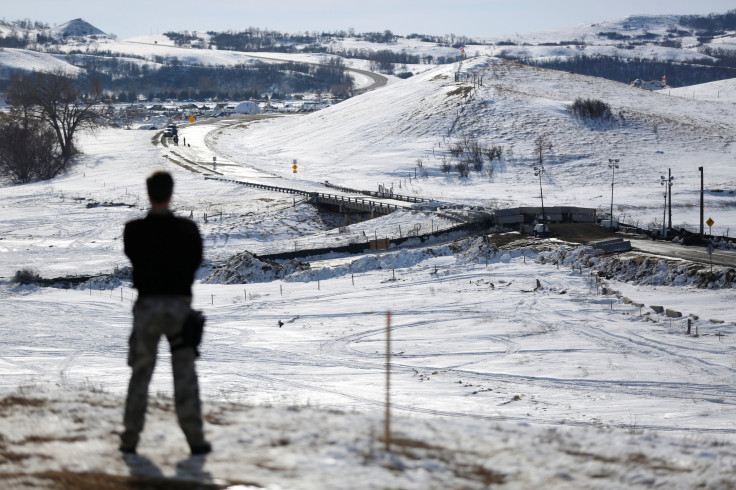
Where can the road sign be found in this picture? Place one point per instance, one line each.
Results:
(710, 222)
(294, 166)
(191, 118)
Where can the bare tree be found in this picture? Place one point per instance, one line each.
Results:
(542, 145)
(60, 101)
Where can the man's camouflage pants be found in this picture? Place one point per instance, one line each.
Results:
(153, 317)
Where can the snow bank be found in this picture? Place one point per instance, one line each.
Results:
(641, 270)
(244, 267)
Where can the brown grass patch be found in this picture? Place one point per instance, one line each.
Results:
(463, 91)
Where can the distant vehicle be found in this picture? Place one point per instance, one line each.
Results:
(168, 133)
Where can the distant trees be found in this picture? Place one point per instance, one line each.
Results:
(713, 23)
(626, 70)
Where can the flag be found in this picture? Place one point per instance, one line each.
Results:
(462, 49)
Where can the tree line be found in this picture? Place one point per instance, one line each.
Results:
(712, 24)
(626, 70)
(239, 81)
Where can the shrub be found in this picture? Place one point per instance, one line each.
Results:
(26, 276)
(463, 169)
(457, 149)
(445, 166)
(591, 109)
(493, 152)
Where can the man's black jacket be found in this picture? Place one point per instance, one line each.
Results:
(165, 251)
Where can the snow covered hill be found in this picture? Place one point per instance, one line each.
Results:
(380, 138)
(24, 59)
(76, 27)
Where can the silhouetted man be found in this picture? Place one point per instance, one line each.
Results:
(165, 251)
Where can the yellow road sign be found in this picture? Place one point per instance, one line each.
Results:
(710, 222)
(191, 118)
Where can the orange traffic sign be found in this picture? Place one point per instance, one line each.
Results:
(710, 222)
(191, 118)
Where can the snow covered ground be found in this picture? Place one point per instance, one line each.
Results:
(506, 368)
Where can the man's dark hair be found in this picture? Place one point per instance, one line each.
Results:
(160, 186)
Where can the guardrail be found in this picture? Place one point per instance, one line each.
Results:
(273, 188)
(382, 195)
(352, 203)
(356, 203)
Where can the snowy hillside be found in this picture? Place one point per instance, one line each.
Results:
(378, 138)
(720, 91)
(23, 59)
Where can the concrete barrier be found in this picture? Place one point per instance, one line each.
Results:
(657, 308)
(672, 313)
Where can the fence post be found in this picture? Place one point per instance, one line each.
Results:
(387, 427)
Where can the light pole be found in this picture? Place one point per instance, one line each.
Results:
(613, 165)
(538, 172)
(667, 182)
(701, 201)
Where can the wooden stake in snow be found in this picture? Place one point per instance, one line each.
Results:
(387, 431)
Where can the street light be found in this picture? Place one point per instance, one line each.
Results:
(538, 172)
(665, 181)
(700, 169)
(613, 165)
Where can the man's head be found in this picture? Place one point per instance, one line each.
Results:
(160, 186)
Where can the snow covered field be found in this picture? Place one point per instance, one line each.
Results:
(507, 368)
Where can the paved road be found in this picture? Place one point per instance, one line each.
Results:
(693, 254)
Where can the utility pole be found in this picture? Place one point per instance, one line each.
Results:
(613, 165)
(667, 183)
(669, 175)
(664, 215)
(539, 171)
(701, 201)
